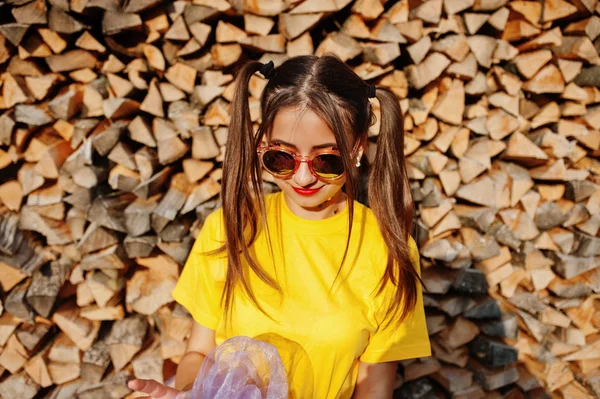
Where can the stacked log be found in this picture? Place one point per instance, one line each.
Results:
(113, 121)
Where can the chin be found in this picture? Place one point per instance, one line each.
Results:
(311, 201)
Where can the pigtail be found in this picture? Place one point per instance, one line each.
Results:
(240, 190)
(390, 199)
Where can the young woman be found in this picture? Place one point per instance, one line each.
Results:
(332, 284)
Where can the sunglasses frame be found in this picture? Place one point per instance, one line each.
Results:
(298, 159)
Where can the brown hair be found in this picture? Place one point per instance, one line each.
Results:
(328, 87)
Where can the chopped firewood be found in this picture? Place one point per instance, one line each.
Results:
(153, 102)
(483, 48)
(33, 46)
(270, 43)
(368, 9)
(10, 277)
(475, 21)
(342, 45)
(291, 26)
(552, 37)
(140, 132)
(257, 24)
(419, 50)
(116, 108)
(531, 11)
(227, 33)
(11, 195)
(125, 339)
(557, 9)
(37, 370)
(170, 93)
(140, 246)
(111, 258)
(568, 266)
(303, 45)
(385, 31)
(82, 332)
(492, 353)
(178, 30)
(19, 385)
(95, 361)
(14, 32)
(44, 287)
(151, 185)
(458, 333)
(88, 42)
(171, 203)
(450, 105)
(182, 76)
(137, 216)
(148, 290)
(14, 355)
(61, 22)
(30, 14)
(530, 63)
(421, 368)
(499, 19)
(195, 169)
(578, 48)
(523, 150)
(353, 26)
(547, 80)
(493, 378)
(200, 194)
(430, 69)
(64, 350)
(72, 60)
(115, 22)
(519, 29)
(381, 54)
(103, 288)
(589, 27)
(554, 171)
(96, 238)
(226, 54)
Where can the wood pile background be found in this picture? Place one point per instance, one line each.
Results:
(113, 118)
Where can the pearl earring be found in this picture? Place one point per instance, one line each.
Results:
(357, 164)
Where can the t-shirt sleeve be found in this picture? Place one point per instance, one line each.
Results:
(201, 283)
(392, 342)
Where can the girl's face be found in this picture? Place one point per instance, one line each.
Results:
(303, 132)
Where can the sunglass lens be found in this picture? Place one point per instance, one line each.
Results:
(278, 162)
(328, 166)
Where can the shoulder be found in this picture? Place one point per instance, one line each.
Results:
(377, 244)
(212, 232)
(213, 228)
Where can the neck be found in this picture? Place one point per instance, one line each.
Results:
(327, 209)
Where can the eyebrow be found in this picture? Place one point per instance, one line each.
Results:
(316, 147)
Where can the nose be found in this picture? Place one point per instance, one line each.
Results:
(303, 177)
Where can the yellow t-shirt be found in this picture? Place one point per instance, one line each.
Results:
(321, 329)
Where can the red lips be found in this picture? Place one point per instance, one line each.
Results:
(306, 191)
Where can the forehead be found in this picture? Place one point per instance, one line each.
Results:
(301, 127)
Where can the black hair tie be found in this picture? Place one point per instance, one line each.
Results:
(268, 70)
(371, 91)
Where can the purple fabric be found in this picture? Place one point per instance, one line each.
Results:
(240, 368)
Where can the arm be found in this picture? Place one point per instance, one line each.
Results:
(201, 342)
(375, 380)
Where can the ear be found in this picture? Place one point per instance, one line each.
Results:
(359, 156)
(360, 153)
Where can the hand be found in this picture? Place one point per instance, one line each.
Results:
(153, 388)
